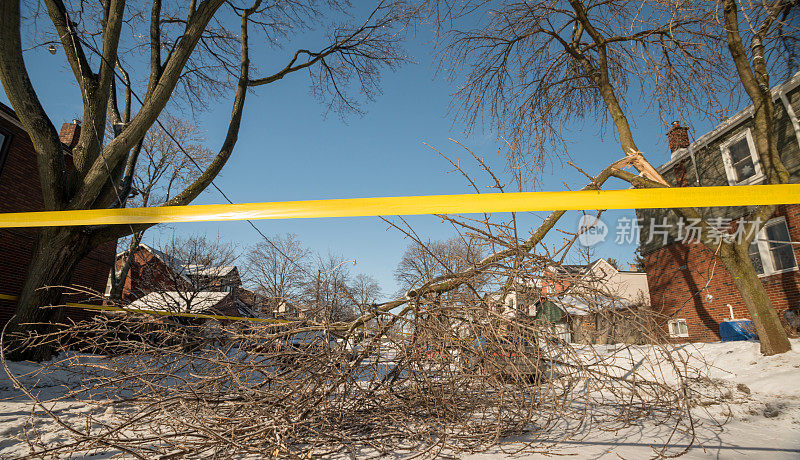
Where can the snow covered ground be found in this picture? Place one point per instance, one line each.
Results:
(763, 424)
(762, 412)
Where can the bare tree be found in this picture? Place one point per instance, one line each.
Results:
(539, 66)
(423, 262)
(170, 159)
(365, 290)
(194, 51)
(327, 292)
(279, 268)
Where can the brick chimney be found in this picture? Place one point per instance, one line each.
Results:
(70, 132)
(678, 137)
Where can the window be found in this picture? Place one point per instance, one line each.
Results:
(772, 250)
(741, 160)
(677, 328)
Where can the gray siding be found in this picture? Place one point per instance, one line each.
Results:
(711, 172)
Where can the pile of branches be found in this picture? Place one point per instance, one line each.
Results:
(455, 378)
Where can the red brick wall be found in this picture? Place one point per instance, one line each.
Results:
(676, 273)
(678, 137)
(20, 191)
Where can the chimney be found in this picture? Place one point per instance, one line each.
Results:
(70, 132)
(678, 137)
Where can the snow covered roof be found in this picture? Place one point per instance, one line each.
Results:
(579, 270)
(180, 302)
(184, 269)
(208, 270)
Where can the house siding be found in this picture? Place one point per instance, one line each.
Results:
(148, 273)
(711, 171)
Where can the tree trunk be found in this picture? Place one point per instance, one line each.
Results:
(118, 281)
(56, 253)
(768, 326)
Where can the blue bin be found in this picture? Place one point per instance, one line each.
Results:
(740, 329)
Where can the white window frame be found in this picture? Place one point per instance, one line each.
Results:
(678, 322)
(726, 159)
(763, 249)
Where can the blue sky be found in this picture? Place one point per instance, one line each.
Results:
(289, 150)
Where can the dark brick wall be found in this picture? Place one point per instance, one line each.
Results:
(678, 272)
(19, 192)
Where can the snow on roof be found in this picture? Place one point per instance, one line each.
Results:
(577, 269)
(180, 302)
(208, 270)
(183, 269)
(572, 305)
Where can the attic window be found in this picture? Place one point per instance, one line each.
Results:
(741, 160)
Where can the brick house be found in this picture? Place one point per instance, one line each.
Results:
(686, 281)
(158, 281)
(20, 191)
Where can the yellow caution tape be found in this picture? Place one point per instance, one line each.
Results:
(678, 197)
(167, 313)
(158, 312)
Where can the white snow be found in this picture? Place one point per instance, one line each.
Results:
(762, 424)
(175, 301)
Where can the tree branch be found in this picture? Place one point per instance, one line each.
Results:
(26, 104)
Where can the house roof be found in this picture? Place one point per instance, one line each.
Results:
(9, 114)
(576, 270)
(180, 302)
(183, 269)
(726, 125)
(208, 270)
(173, 262)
